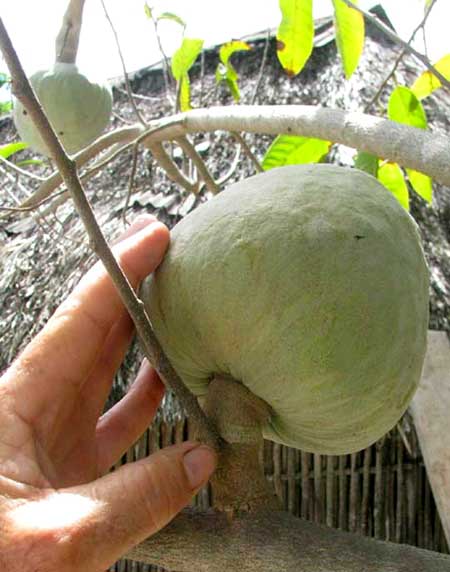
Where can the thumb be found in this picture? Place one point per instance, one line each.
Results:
(140, 498)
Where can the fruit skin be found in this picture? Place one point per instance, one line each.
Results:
(78, 109)
(308, 284)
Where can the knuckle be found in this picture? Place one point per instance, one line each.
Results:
(164, 492)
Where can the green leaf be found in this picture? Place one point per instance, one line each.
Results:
(295, 35)
(185, 56)
(391, 176)
(5, 107)
(185, 93)
(367, 162)
(173, 18)
(182, 61)
(421, 184)
(228, 49)
(7, 150)
(225, 70)
(350, 32)
(404, 107)
(148, 11)
(428, 82)
(293, 150)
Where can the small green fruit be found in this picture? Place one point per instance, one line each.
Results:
(308, 284)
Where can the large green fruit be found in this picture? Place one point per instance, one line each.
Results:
(308, 284)
(78, 109)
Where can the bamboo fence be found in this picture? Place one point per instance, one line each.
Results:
(382, 491)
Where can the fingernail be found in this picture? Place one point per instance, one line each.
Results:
(144, 366)
(143, 220)
(199, 464)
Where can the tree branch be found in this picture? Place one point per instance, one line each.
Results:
(165, 161)
(124, 68)
(417, 149)
(243, 143)
(19, 171)
(107, 140)
(66, 45)
(272, 540)
(67, 167)
(191, 152)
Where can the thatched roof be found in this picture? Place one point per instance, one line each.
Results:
(43, 256)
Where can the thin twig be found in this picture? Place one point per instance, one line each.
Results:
(20, 209)
(39, 218)
(124, 68)
(67, 167)
(122, 119)
(232, 169)
(173, 172)
(400, 57)
(393, 36)
(202, 169)
(261, 68)
(152, 99)
(101, 144)
(130, 183)
(165, 61)
(135, 133)
(202, 78)
(20, 171)
(247, 151)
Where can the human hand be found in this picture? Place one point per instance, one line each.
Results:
(60, 509)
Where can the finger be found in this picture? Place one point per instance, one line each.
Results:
(138, 224)
(97, 387)
(125, 422)
(57, 362)
(139, 499)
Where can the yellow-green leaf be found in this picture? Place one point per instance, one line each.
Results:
(225, 70)
(185, 56)
(404, 107)
(228, 49)
(148, 11)
(293, 150)
(295, 34)
(350, 32)
(5, 107)
(421, 184)
(10, 148)
(391, 176)
(367, 162)
(428, 82)
(172, 17)
(185, 93)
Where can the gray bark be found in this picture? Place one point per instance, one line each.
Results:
(275, 541)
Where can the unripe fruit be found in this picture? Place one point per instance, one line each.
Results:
(307, 284)
(78, 109)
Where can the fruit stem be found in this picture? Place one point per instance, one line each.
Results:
(66, 45)
(239, 483)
